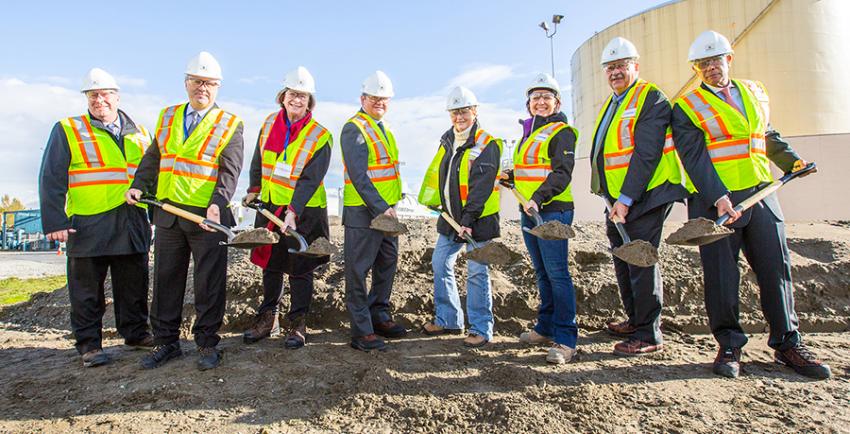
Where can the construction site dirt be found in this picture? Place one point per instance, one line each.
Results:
(434, 384)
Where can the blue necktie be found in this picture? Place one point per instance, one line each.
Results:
(193, 122)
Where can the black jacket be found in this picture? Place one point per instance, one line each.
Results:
(120, 231)
(650, 132)
(690, 143)
(229, 166)
(482, 177)
(562, 149)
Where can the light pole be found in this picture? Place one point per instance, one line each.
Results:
(556, 19)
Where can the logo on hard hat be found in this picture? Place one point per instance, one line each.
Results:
(709, 47)
(457, 100)
(613, 51)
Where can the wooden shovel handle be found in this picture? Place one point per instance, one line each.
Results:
(522, 201)
(171, 209)
(456, 227)
(765, 192)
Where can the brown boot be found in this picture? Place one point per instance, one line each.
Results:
(265, 324)
(622, 328)
(296, 336)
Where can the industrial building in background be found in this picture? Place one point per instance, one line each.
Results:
(797, 48)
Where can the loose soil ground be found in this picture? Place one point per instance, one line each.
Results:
(425, 384)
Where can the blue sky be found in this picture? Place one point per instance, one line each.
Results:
(493, 47)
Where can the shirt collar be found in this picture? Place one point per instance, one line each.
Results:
(201, 113)
(620, 97)
(730, 86)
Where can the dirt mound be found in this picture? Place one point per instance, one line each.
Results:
(821, 271)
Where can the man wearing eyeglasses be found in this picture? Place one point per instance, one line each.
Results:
(372, 187)
(88, 164)
(723, 133)
(634, 164)
(194, 165)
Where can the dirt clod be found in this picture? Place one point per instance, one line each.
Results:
(553, 230)
(255, 237)
(321, 247)
(390, 226)
(495, 253)
(697, 232)
(638, 252)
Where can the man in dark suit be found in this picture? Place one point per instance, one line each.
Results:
(723, 134)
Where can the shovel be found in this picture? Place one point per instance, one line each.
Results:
(243, 240)
(318, 248)
(639, 253)
(493, 252)
(702, 231)
(551, 230)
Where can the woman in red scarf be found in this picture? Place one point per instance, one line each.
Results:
(290, 161)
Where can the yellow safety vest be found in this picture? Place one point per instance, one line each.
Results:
(99, 174)
(382, 167)
(619, 144)
(735, 143)
(188, 167)
(532, 164)
(282, 170)
(429, 193)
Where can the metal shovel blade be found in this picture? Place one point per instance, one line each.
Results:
(494, 253)
(639, 253)
(698, 232)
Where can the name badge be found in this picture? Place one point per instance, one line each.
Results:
(630, 113)
(282, 170)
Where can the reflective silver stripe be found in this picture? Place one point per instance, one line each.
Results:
(304, 154)
(382, 173)
(284, 180)
(267, 171)
(166, 163)
(668, 144)
(195, 169)
(709, 120)
(383, 156)
(87, 140)
(267, 129)
(77, 178)
(758, 144)
(741, 150)
(618, 160)
(538, 142)
(217, 134)
(531, 173)
(131, 171)
(165, 127)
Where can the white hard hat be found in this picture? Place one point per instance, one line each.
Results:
(204, 65)
(544, 81)
(378, 84)
(709, 44)
(300, 80)
(98, 79)
(461, 97)
(619, 49)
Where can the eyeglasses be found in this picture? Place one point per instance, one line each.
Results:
(546, 96)
(704, 64)
(292, 95)
(197, 82)
(95, 94)
(611, 67)
(466, 111)
(376, 99)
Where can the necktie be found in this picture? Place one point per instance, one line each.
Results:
(113, 129)
(193, 122)
(729, 100)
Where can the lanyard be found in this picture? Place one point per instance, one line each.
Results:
(286, 137)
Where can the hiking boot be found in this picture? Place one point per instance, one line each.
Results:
(622, 328)
(432, 329)
(534, 338)
(297, 334)
(635, 347)
(161, 354)
(208, 358)
(475, 341)
(368, 343)
(96, 358)
(143, 343)
(803, 361)
(728, 362)
(389, 329)
(560, 354)
(266, 324)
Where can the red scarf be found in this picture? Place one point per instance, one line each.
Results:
(276, 141)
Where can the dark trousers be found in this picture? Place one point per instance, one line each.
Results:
(367, 249)
(300, 293)
(641, 288)
(86, 277)
(172, 249)
(762, 239)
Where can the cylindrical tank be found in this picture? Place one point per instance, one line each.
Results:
(797, 48)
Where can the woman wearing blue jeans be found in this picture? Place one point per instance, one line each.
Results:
(543, 166)
(461, 181)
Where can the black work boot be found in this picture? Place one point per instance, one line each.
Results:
(803, 362)
(161, 354)
(208, 358)
(728, 362)
(96, 358)
(368, 343)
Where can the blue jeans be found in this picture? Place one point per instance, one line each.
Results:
(556, 316)
(479, 299)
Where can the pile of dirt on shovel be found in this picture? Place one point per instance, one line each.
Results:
(820, 258)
